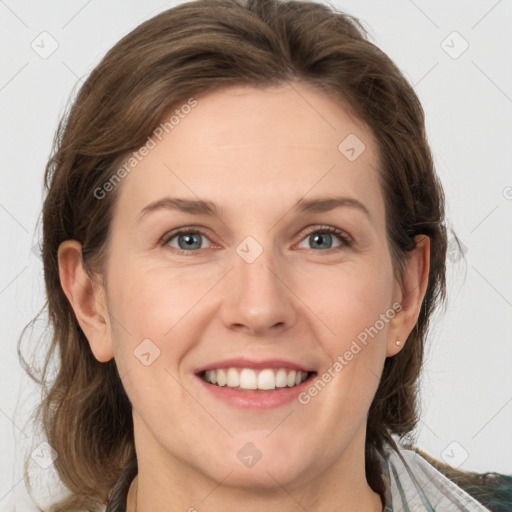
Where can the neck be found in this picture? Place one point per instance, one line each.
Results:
(148, 491)
(327, 483)
(371, 502)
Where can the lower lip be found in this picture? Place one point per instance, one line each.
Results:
(256, 399)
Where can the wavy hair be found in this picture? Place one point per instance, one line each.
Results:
(191, 49)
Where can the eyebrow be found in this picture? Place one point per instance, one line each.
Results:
(192, 206)
(326, 204)
(202, 207)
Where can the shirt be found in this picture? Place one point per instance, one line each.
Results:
(415, 485)
(412, 484)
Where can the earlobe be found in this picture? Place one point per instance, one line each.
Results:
(412, 292)
(87, 298)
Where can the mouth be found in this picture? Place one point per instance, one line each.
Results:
(249, 384)
(251, 379)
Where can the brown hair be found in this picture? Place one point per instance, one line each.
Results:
(189, 50)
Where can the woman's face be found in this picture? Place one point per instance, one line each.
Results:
(282, 272)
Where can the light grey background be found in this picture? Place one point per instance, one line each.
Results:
(467, 381)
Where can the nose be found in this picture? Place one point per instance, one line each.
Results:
(257, 298)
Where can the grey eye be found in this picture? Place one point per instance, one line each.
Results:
(320, 239)
(187, 240)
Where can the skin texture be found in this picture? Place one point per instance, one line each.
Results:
(254, 153)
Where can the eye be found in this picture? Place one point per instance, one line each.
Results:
(323, 238)
(189, 241)
(184, 241)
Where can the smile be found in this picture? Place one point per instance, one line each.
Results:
(265, 379)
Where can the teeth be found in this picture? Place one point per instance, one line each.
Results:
(232, 381)
(221, 377)
(281, 379)
(247, 378)
(266, 380)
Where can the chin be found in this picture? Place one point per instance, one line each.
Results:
(263, 477)
(260, 465)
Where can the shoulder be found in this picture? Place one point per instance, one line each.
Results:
(416, 481)
(493, 490)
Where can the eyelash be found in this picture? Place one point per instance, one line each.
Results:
(342, 235)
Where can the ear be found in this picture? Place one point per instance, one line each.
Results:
(410, 295)
(87, 297)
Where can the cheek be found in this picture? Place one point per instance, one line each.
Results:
(348, 301)
(340, 303)
(150, 319)
(353, 341)
(352, 302)
(159, 303)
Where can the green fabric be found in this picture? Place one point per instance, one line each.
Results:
(496, 494)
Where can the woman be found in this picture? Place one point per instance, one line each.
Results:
(244, 243)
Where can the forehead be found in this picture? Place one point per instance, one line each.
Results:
(260, 147)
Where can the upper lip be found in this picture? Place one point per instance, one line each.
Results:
(241, 362)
